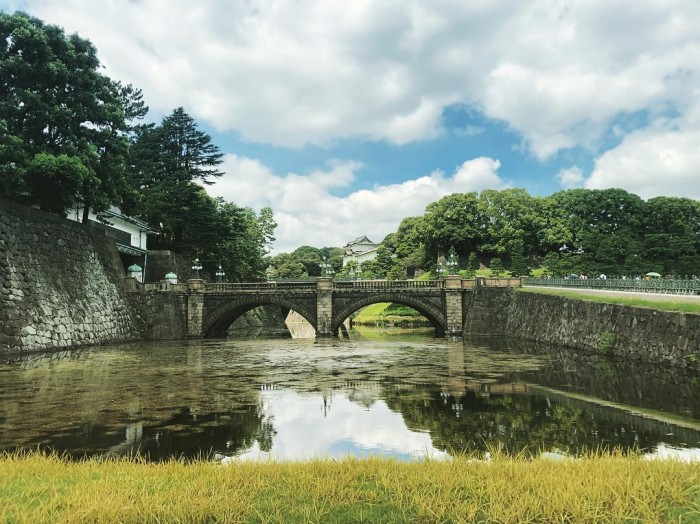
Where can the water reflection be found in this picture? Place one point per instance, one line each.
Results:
(406, 396)
(348, 422)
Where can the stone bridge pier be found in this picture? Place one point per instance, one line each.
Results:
(326, 303)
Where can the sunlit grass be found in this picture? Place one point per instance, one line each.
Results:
(597, 488)
(666, 303)
(381, 313)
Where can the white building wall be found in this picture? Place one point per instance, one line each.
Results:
(138, 237)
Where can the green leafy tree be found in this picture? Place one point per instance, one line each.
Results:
(671, 237)
(510, 216)
(396, 273)
(454, 220)
(600, 230)
(241, 243)
(383, 262)
(55, 180)
(54, 101)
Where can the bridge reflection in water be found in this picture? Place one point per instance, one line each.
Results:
(326, 303)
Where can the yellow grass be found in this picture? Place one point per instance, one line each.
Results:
(599, 488)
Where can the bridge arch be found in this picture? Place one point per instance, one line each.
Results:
(217, 321)
(429, 310)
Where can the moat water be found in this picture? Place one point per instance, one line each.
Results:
(387, 392)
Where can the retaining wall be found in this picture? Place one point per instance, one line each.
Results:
(60, 284)
(626, 332)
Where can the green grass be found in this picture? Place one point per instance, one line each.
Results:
(597, 488)
(384, 313)
(669, 303)
(372, 311)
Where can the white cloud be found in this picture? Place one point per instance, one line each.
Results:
(307, 213)
(557, 71)
(571, 177)
(346, 428)
(652, 162)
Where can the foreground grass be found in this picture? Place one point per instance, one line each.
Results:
(669, 302)
(36, 488)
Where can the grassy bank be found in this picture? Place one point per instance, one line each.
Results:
(667, 302)
(594, 489)
(387, 314)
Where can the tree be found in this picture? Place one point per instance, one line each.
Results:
(510, 216)
(496, 267)
(600, 231)
(408, 244)
(167, 161)
(454, 220)
(55, 102)
(175, 152)
(472, 265)
(242, 241)
(518, 264)
(383, 262)
(671, 236)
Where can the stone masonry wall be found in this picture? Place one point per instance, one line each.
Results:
(160, 263)
(160, 315)
(485, 311)
(621, 331)
(59, 284)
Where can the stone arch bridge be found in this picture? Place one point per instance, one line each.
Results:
(326, 304)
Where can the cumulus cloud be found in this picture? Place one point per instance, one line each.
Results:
(559, 72)
(571, 177)
(346, 428)
(308, 213)
(652, 162)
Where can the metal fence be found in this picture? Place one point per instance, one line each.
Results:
(672, 286)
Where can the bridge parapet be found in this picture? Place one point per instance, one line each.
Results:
(260, 286)
(388, 284)
(344, 285)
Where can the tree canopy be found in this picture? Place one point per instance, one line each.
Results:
(71, 136)
(63, 124)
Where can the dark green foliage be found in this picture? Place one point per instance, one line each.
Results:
(67, 136)
(581, 231)
(518, 264)
(55, 103)
(174, 152)
(496, 267)
(401, 310)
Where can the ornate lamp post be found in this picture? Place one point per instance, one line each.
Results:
(269, 273)
(220, 274)
(326, 268)
(452, 262)
(196, 267)
(440, 270)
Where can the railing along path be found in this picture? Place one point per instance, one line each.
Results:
(670, 286)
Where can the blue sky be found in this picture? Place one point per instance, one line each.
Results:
(345, 117)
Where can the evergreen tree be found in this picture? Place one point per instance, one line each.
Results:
(472, 265)
(496, 267)
(518, 264)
